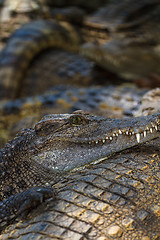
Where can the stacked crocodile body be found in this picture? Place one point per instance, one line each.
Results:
(98, 196)
(129, 36)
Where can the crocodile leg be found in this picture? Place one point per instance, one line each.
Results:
(22, 203)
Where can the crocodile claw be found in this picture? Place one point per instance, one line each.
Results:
(22, 203)
(33, 197)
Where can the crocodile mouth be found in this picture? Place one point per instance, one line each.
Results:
(71, 141)
(69, 155)
(148, 132)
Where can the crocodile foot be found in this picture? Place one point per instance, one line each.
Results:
(22, 203)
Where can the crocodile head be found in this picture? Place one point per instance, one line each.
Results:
(64, 142)
(132, 49)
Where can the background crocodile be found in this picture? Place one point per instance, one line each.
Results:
(129, 194)
(131, 27)
(14, 14)
(125, 38)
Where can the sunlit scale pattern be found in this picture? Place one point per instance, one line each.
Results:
(118, 199)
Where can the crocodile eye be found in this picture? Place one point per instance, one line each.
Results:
(78, 120)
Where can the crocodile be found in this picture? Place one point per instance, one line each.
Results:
(14, 14)
(132, 49)
(57, 152)
(108, 101)
(114, 44)
(22, 47)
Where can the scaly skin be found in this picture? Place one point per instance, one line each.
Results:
(56, 147)
(116, 199)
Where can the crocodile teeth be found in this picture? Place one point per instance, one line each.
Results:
(138, 137)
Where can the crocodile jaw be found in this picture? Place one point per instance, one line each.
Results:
(124, 60)
(79, 157)
(110, 136)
